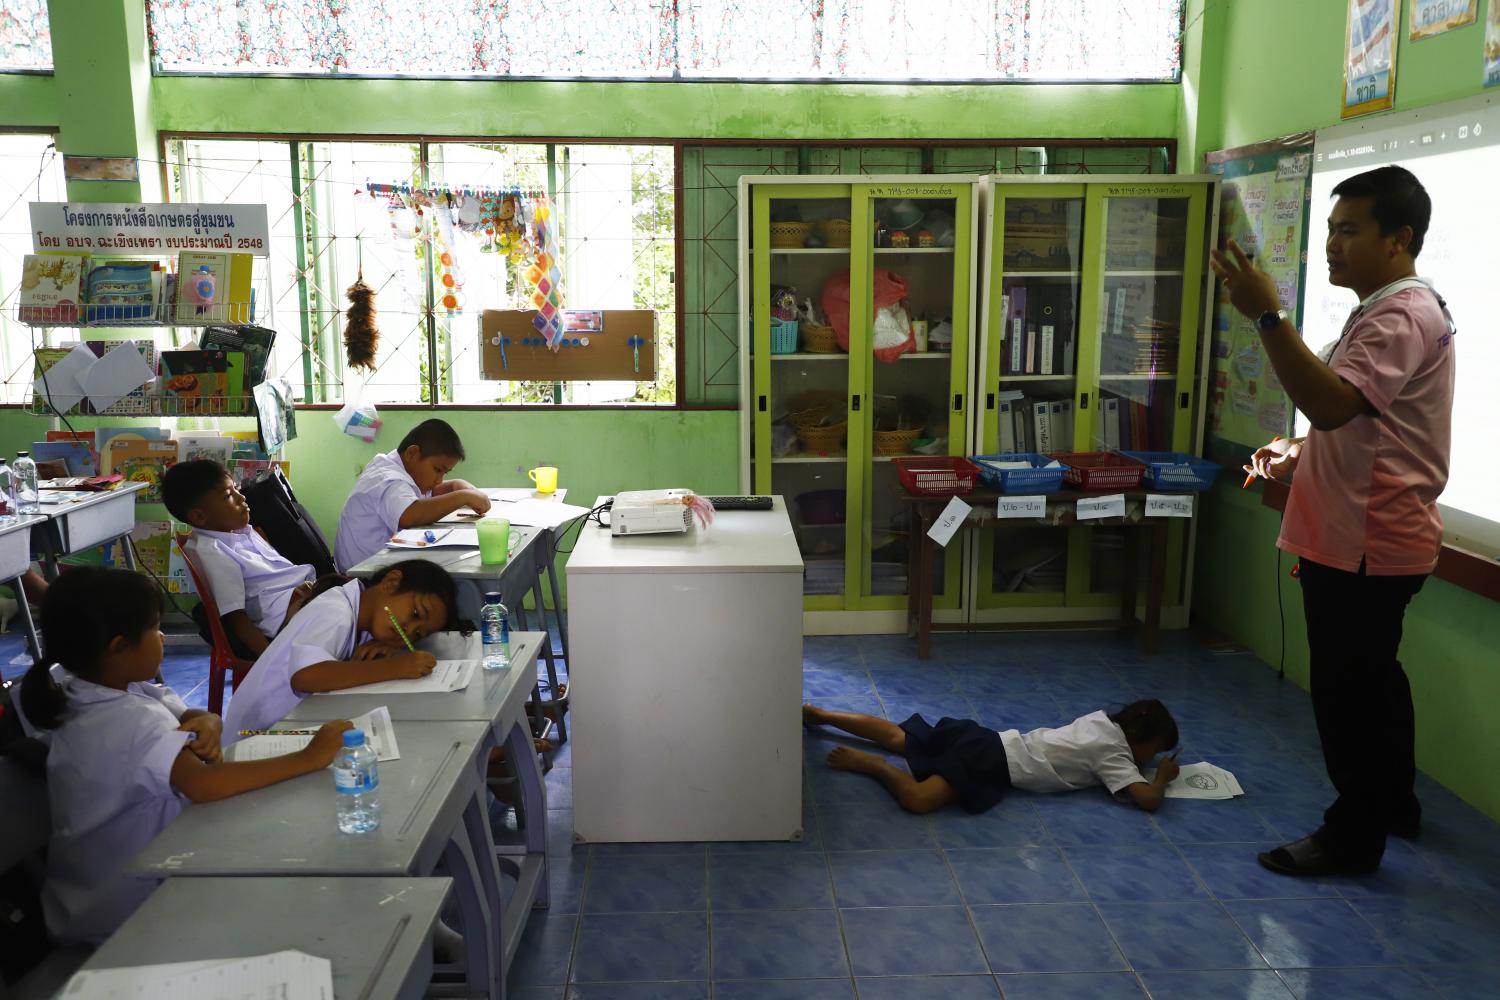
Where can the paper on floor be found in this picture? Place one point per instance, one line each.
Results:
(1200, 781)
(375, 724)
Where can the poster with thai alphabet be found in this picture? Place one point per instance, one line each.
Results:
(1263, 206)
(1369, 57)
(1426, 18)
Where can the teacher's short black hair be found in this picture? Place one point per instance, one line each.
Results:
(1399, 200)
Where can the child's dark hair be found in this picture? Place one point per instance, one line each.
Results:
(185, 483)
(1399, 199)
(84, 611)
(1147, 722)
(423, 577)
(433, 437)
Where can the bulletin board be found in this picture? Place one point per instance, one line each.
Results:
(1264, 202)
(596, 345)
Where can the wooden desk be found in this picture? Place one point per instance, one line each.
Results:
(376, 932)
(1061, 508)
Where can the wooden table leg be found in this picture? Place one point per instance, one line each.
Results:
(923, 584)
(1158, 575)
(1127, 582)
(913, 557)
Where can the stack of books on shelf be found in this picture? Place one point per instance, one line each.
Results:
(1033, 424)
(78, 290)
(1140, 238)
(1149, 348)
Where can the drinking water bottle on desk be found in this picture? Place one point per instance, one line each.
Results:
(27, 501)
(7, 493)
(494, 626)
(357, 779)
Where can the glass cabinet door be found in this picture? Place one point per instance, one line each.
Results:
(800, 253)
(917, 300)
(1031, 373)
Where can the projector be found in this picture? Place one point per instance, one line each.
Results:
(650, 512)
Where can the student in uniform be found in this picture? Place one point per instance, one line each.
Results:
(127, 754)
(1362, 516)
(959, 760)
(402, 489)
(255, 587)
(347, 635)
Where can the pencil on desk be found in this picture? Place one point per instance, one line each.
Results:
(278, 732)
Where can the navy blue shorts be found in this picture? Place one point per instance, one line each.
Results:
(963, 753)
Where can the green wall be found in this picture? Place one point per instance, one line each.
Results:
(1281, 72)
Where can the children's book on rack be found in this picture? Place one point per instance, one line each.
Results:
(158, 556)
(254, 342)
(52, 287)
(195, 381)
(214, 288)
(143, 461)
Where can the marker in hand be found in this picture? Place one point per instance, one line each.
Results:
(1250, 478)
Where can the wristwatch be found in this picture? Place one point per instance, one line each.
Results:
(1270, 319)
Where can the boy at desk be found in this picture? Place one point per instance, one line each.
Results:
(255, 587)
(402, 489)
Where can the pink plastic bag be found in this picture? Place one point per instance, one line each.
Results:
(889, 290)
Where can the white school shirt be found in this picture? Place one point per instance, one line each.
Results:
(372, 514)
(325, 629)
(109, 783)
(1087, 751)
(245, 573)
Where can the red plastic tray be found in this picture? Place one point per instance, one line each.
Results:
(1100, 470)
(938, 476)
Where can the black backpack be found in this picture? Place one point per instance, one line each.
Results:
(285, 523)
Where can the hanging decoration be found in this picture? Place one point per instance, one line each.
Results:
(361, 336)
(544, 275)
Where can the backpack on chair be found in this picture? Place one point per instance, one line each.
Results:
(285, 523)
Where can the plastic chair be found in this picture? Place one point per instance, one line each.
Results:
(221, 658)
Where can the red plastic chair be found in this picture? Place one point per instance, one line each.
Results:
(221, 658)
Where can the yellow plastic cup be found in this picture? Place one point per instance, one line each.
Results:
(545, 477)
(494, 541)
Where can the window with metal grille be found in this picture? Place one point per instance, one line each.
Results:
(30, 170)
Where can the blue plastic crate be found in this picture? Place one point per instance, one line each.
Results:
(1033, 480)
(1176, 470)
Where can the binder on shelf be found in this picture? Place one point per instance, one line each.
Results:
(1030, 350)
(1043, 421)
(1111, 423)
(1046, 357)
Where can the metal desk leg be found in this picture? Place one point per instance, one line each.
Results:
(127, 551)
(557, 704)
(23, 608)
(528, 861)
(481, 969)
(562, 622)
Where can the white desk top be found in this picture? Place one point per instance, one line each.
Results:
(738, 540)
(22, 522)
(462, 563)
(74, 506)
(372, 930)
(290, 828)
(485, 699)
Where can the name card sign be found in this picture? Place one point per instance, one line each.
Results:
(149, 228)
(1094, 507)
(1168, 505)
(948, 522)
(1027, 507)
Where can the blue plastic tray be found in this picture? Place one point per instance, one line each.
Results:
(1032, 480)
(1176, 470)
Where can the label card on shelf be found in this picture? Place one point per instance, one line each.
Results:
(1110, 506)
(1021, 507)
(948, 522)
(1169, 505)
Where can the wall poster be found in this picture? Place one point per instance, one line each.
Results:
(1369, 57)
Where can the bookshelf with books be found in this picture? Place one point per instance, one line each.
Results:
(1094, 327)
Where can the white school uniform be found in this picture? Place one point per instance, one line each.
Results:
(245, 573)
(109, 783)
(372, 514)
(326, 628)
(1087, 751)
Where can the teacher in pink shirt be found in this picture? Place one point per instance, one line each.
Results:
(1362, 516)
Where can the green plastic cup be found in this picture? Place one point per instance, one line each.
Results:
(494, 541)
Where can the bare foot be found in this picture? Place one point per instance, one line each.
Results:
(812, 715)
(849, 759)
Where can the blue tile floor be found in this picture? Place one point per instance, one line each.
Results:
(1064, 897)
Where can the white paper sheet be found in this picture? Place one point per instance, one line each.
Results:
(62, 383)
(50, 498)
(510, 494)
(448, 675)
(284, 975)
(115, 376)
(417, 538)
(949, 521)
(375, 724)
(463, 516)
(539, 513)
(1200, 781)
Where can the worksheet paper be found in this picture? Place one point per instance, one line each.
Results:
(416, 538)
(1200, 781)
(282, 975)
(538, 513)
(380, 734)
(448, 675)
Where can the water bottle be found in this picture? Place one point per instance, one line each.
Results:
(8, 498)
(26, 495)
(494, 626)
(358, 783)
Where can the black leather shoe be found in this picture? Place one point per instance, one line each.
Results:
(1306, 858)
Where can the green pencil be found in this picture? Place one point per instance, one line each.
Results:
(399, 630)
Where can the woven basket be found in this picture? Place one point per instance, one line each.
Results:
(895, 442)
(823, 439)
(816, 406)
(819, 338)
(836, 232)
(789, 235)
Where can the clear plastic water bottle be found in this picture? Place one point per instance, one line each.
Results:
(357, 779)
(494, 627)
(7, 493)
(26, 495)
